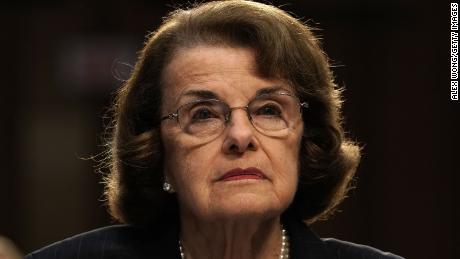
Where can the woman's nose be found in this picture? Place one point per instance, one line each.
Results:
(239, 133)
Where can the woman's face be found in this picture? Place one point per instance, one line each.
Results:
(198, 168)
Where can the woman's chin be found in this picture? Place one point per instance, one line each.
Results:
(245, 206)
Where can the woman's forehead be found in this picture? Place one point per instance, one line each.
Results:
(225, 71)
(204, 62)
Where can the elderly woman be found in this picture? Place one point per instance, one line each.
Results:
(227, 143)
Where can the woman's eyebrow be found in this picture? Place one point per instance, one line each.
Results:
(271, 89)
(207, 94)
(203, 94)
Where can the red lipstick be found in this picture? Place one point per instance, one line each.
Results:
(240, 174)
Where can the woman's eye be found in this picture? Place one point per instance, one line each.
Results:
(269, 110)
(202, 114)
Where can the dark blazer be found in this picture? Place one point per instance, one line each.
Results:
(129, 242)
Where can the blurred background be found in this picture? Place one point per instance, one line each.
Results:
(392, 56)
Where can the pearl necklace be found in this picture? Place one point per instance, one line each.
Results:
(284, 253)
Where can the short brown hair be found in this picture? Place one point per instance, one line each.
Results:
(284, 48)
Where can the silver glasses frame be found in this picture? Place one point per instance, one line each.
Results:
(175, 115)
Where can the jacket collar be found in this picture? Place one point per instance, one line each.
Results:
(304, 243)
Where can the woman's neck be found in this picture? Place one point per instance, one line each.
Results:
(230, 238)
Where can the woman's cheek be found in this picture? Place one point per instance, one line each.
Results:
(193, 170)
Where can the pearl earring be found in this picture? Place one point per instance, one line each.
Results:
(167, 187)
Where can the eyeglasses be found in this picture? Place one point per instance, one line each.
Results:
(272, 114)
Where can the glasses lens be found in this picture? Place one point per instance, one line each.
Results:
(274, 114)
(202, 118)
(271, 114)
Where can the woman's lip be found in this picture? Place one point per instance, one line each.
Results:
(240, 174)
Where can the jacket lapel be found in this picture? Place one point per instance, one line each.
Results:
(304, 243)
